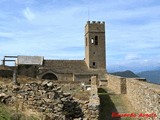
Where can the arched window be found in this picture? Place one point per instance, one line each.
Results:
(94, 64)
(92, 40)
(96, 40)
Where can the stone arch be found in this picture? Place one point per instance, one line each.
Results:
(49, 76)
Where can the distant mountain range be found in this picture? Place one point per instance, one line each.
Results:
(151, 76)
(127, 73)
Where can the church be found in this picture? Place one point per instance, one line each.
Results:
(94, 63)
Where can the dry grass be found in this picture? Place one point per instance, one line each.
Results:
(76, 90)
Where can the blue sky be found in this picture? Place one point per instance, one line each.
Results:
(55, 29)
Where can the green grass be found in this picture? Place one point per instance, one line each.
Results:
(6, 113)
(106, 105)
(109, 103)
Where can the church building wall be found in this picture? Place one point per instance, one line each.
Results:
(83, 78)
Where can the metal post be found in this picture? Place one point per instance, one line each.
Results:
(3, 62)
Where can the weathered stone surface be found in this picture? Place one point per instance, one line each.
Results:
(50, 84)
(143, 96)
(66, 94)
(15, 88)
(94, 101)
(2, 95)
(45, 97)
(116, 84)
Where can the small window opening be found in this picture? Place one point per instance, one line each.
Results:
(86, 41)
(92, 40)
(96, 40)
(94, 64)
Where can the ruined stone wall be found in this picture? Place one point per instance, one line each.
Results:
(116, 84)
(144, 97)
(94, 101)
(46, 98)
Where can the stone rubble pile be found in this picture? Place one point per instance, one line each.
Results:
(47, 98)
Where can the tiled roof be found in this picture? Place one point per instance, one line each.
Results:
(66, 66)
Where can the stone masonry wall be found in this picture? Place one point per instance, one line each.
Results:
(82, 77)
(27, 70)
(145, 97)
(116, 84)
(94, 100)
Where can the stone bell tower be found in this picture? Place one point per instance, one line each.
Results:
(95, 56)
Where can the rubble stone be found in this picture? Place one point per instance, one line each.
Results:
(46, 97)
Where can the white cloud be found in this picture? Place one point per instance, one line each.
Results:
(132, 29)
(28, 14)
(132, 56)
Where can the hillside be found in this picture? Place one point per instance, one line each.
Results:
(128, 74)
(151, 76)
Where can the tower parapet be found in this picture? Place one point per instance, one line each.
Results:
(95, 26)
(95, 22)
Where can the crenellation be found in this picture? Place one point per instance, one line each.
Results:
(95, 22)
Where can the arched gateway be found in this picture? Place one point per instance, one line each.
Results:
(49, 76)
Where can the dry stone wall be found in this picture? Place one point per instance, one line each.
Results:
(46, 98)
(94, 101)
(145, 97)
